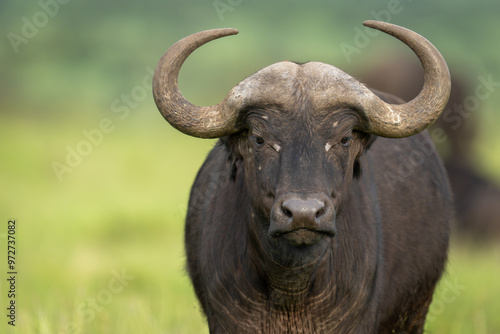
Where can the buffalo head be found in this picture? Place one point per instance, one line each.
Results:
(296, 132)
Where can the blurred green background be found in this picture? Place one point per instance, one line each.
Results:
(100, 235)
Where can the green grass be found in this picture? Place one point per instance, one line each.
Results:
(466, 300)
(123, 209)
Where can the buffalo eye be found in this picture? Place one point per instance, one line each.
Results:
(258, 140)
(346, 141)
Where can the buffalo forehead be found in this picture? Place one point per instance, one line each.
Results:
(286, 84)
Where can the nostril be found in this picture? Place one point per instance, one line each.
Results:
(287, 212)
(320, 212)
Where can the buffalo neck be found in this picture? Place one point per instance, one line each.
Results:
(289, 286)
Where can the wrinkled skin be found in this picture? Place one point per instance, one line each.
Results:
(368, 267)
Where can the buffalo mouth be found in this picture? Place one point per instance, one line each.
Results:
(304, 237)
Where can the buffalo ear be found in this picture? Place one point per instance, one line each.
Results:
(366, 141)
(235, 146)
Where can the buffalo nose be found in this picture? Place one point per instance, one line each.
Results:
(303, 211)
(302, 214)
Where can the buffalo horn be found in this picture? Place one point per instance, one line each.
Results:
(203, 122)
(403, 120)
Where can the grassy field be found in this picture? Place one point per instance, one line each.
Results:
(102, 251)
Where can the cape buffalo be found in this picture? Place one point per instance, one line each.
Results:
(300, 220)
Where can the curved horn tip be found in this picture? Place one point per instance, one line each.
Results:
(228, 31)
(380, 25)
(234, 31)
(372, 23)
